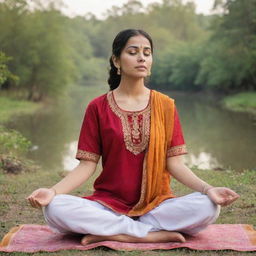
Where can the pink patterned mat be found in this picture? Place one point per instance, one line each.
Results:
(34, 238)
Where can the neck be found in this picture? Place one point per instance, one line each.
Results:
(131, 86)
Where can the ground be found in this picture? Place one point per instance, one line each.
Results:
(15, 210)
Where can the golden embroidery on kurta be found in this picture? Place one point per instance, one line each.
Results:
(85, 155)
(177, 150)
(135, 125)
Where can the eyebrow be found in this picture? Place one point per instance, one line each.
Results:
(134, 46)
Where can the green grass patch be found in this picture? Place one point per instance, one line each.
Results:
(242, 102)
(10, 107)
(15, 210)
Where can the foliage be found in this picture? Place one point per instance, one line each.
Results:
(49, 51)
(225, 59)
(230, 59)
(178, 67)
(12, 142)
(88, 67)
(5, 73)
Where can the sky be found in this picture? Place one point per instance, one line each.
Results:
(98, 7)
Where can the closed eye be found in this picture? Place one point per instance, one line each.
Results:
(145, 53)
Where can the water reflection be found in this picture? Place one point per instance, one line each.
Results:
(69, 162)
(203, 161)
(51, 130)
(227, 138)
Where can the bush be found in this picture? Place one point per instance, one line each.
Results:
(13, 143)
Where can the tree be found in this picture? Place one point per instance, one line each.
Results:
(5, 74)
(230, 60)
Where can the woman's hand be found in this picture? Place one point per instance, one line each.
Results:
(41, 197)
(222, 196)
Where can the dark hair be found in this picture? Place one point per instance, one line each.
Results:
(117, 46)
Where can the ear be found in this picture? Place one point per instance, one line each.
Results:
(116, 61)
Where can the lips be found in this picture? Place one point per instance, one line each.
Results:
(141, 67)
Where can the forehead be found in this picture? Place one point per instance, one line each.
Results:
(138, 41)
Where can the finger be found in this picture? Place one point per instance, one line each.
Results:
(32, 194)
(231, 200)
(38, 205)
(34, 203)
(231, 192)
(30, 201)
(29, 197)
(225, 202)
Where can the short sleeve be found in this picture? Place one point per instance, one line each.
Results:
(177, 145)
(89, 143)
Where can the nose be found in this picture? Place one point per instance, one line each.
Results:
(141, 58)
(140, 55)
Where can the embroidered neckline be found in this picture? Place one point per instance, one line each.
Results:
(130, 111)
(135, 125)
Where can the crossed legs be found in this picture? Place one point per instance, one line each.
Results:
(189, 215)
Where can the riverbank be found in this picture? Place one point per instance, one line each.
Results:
(241, 102)
(11, 107)
(13, 145)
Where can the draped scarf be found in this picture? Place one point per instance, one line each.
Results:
(155, 186)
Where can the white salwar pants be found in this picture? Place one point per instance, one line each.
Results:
(187, 214)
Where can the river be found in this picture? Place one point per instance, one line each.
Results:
(216, 138)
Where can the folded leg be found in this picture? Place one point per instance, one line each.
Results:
(68, 213)
(187, 214)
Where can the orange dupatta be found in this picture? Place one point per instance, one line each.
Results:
(155, 186)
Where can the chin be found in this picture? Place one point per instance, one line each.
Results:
(136, 75)
(139, 75)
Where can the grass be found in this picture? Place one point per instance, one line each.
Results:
(15, 210)
(241, 102)
(11, 107)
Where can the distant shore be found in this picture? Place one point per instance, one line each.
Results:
(241, 102)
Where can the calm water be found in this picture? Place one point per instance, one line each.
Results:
(215, 138)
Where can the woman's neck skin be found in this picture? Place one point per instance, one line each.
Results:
(131, 87)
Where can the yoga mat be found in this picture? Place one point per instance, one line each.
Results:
(35, 238)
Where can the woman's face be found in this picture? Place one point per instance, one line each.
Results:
(136, 57)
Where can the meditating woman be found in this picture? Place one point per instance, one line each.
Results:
(138, 134)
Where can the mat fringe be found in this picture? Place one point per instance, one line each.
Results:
(251, 233)
(8, 237)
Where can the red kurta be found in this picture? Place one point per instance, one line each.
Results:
(121, 138)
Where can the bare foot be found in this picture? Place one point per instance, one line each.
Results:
(152, 237)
